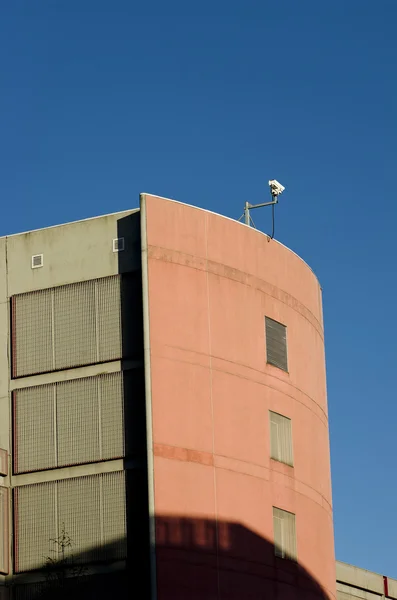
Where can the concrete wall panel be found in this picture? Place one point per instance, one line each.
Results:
(183, 487)
(359, 578)
(70, 253)
(182, 314)
(182, 419)
(4, 365)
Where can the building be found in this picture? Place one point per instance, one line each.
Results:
(353, 583)
(163, 406)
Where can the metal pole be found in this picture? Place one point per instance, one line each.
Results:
(247, 213)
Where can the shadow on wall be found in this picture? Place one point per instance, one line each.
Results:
(191, 564)
(201, 559)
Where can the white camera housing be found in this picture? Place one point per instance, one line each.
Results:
(275, 187)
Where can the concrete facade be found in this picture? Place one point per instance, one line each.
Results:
(209, 284)
(188, 506)
(72, 254)
(353, 583)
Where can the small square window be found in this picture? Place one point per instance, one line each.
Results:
(118, 244)
(281, 439)
(284, 534)
(276, 344)
(37, 261)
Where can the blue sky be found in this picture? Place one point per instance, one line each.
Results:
(204, 102)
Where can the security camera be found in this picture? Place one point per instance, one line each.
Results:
(275, 187)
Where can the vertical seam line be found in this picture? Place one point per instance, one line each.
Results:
(212, 408)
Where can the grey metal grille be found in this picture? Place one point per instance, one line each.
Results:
(34, 429)
(284, 534)
(91, 509)
(109, 319)
(111, 394)
(78, 426)
(276, 344)
(35, 524)
(75, 317)
(37, 261)
(281, 438)
(70, 422)
(32, 341)
(113, 517)
(79, 508)
(4, 530)
(5, 593)
(67, 326)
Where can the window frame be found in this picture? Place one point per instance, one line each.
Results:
(280, 550)
(291, 440)
(270, 362)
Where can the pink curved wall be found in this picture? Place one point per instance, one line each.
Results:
(211, 281)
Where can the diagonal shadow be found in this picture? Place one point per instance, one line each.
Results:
(190, 565)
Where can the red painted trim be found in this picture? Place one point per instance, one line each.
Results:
(4, 541)
(13, 340)
(16, 561)
(385, 585)
(14, 432)
(183, 454)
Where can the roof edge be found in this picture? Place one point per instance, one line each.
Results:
(120, 212)
(235, 221)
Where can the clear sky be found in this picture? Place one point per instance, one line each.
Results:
(204, 102)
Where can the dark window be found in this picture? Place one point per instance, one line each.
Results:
(276, 344)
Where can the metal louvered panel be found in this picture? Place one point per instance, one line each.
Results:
(32, 333)
(67, 326)
(67, 423)
(77, 421)
(284, 534)
(79, 512)
(4, 530)
(112, 415)
(34, 420)
(276, 344)
(29, 591)
(35, 525)
(109, 318)
(281, 438)
(4, 593)
(91, 510)
(74, 325)
(114, 516)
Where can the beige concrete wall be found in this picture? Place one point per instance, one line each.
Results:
(354, 583)
(4, 368)
(72, 252)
